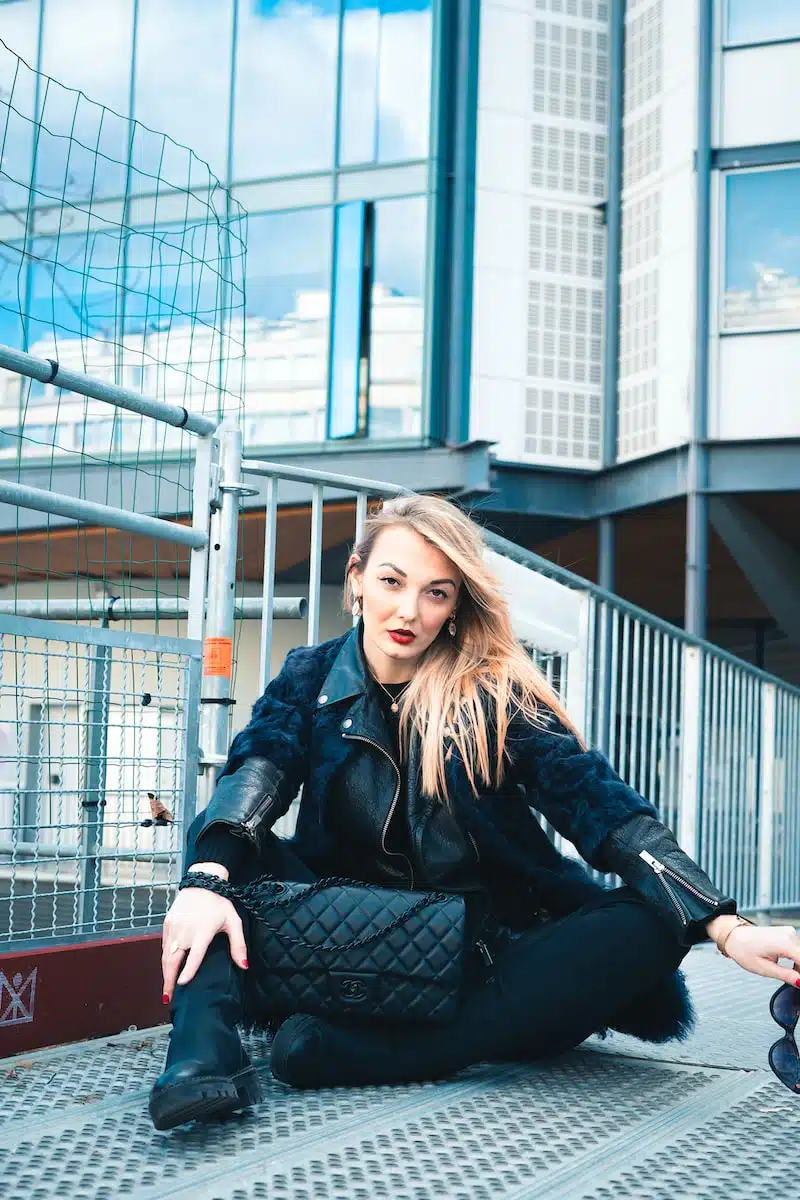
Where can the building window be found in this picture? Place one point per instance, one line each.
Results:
(762, 250)
(285, 88)
(762, 21)
(287, 321)
(352, 274)
(386, 81)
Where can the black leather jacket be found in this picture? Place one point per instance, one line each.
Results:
(319, 728)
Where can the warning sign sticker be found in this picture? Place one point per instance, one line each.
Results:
(218, 657)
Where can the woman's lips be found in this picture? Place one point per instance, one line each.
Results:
(402, 638)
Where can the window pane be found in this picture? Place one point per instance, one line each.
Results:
(397, 319)
(285, 87)
(288, 303)
(762, 253)
(183, 63)
(762, 20)
(83, 145)
(386, 80)
(346, 321)
(17, 89)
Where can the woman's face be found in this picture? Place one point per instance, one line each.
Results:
(408, 585)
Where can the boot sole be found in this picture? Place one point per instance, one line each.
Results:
(205, 1099)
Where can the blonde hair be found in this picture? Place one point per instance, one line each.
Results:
(458, 678)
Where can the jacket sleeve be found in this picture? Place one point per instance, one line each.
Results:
(614, 828)
(267, 762)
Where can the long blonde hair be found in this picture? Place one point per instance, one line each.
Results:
(444, 697)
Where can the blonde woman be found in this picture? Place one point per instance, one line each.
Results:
(423, 740)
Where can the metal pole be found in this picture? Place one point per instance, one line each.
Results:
(47, 370)
(695, 619)
(218, 641)
(268, 595)
(246, 608)
(613, 230)
(22, 496)
(607, 579)
(94, 799)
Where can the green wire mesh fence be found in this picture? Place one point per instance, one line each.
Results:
(121, 257)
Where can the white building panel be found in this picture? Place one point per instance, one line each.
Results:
(760, 100)
(759, 387)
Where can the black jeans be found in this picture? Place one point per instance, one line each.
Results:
(548, 990)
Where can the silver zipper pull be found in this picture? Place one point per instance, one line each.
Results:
(483, 950)
(657, 866)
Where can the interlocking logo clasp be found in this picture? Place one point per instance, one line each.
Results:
(17, 998)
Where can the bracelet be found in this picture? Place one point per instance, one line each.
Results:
(722, 943)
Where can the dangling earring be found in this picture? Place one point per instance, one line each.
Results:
(355, 607)
(451, 628)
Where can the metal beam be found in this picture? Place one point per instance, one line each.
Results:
(118, 608)
(774, 155)
(771, 567)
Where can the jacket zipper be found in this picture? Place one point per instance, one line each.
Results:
(355, 737)
(252, 820)
(661, 869)
(475, 845)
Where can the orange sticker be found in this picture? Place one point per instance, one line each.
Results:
(218, 657)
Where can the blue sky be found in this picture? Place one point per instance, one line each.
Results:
(762, 20)
(762, 224)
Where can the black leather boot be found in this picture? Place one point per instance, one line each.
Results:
(207, 1073)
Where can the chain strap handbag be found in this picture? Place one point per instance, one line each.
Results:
(337, 946)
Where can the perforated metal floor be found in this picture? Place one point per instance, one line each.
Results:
(613, 1119)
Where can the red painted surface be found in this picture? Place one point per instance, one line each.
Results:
(65, 993)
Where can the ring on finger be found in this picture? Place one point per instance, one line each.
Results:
(175, 948)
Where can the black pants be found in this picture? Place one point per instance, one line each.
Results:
(548, 990)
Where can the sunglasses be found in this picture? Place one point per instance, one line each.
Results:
(784, 1057)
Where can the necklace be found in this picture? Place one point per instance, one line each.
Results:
(394, 699)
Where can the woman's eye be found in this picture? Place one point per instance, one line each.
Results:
(439, 594)
(388, 579)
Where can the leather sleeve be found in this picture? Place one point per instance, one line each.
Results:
(267, 763)
(646, 855)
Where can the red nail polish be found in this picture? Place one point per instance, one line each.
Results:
(165, 998)
(797, 983)
(246, 964)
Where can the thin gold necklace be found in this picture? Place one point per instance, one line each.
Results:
(394, 705)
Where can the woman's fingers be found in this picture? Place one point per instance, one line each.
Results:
(235, 932)
(172, 956)
(195, 957)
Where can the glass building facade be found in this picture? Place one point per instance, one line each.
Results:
(319, 118)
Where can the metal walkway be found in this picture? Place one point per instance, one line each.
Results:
(613, 1119)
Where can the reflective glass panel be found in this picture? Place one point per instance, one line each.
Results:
(347, 321)
(762, 250)
(397, 319)
(763, 20)
(288, 306)
(183, 65)
(20, 29)
(83, 144)
(386, 81)
(285, 102)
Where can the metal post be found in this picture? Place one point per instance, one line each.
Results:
(691, 767)
(218, 641)
(315, 565)
(695, 619)
(766, 807)
(577, 698)
(94, 798)
(270, 543)
(206, 459)
(607, 578)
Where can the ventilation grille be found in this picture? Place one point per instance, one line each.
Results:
(638, 418)
(563, 424)
(565, 333)
(638, 397)
(590, 10)
(570, 72)
(644, 37)
(641, 230)
(566, 242)
(568, 160)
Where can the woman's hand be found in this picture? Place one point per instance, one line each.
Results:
(194, 919)
(757, 948)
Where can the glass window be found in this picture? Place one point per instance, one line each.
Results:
(762, 251)
(20, 30)
(349, 347)
(386, 81)
(183, 65)
(285, 103)
(288, 306)
(83, 144)
(397, 319)
(763, 20)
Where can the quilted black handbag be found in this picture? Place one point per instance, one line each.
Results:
(338, 946)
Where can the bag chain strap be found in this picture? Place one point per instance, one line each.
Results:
(250, 897)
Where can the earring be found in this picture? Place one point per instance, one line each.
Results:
(451, 628)
(355, 607)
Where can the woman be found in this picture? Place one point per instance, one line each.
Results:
(422, 739)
